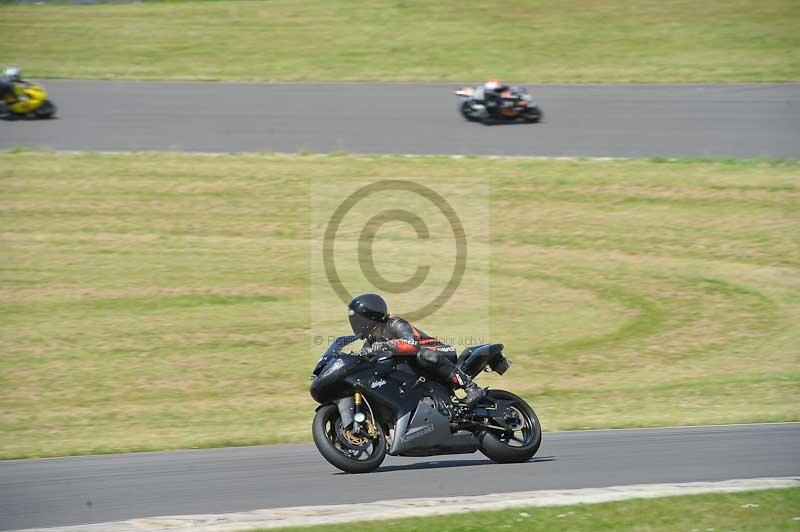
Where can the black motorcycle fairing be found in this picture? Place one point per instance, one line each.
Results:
(388, 390)
(426, 428)
(461, 442)
(334, 349)
(402, 391)
(331, 383)
(417, 410)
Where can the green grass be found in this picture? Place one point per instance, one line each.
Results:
(160, 301)
(757, 511)
(542, 41)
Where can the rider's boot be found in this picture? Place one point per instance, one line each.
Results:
(474, 392)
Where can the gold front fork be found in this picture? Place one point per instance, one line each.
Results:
(358, 399)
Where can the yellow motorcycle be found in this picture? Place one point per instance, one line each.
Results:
(27, 100)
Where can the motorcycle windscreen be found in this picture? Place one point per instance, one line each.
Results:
(333, 350)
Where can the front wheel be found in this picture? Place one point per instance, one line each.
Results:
(352, 453)
(468, 111)
(520, 441)
(532, 114)
(46, 110)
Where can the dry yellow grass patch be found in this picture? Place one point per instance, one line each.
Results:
(162, 300)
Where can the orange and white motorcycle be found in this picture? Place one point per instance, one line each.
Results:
(512, 104)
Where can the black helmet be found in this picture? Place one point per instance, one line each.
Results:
(366, 312)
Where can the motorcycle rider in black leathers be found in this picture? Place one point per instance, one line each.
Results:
(370, 320)
(493, 95)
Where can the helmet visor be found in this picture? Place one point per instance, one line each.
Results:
(361, 325)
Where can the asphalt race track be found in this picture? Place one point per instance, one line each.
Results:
(580, 120)
(82, 490)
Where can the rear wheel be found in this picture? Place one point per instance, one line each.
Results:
(348, 451)
(520, 441)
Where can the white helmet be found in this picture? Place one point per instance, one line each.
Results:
(13, 73)
(492, 85)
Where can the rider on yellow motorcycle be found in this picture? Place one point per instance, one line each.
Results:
(22, 98)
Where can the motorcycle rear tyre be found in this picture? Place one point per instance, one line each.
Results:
(492, 447)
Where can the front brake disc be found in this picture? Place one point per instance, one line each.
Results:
(350, 440)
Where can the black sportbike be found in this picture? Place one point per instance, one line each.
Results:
(372, 405)
(514, 104)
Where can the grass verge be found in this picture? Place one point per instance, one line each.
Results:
(540, 41)
(761, 511)
(160, 301)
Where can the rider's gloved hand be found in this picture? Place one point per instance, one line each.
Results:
(380, 347)
(364, 352)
